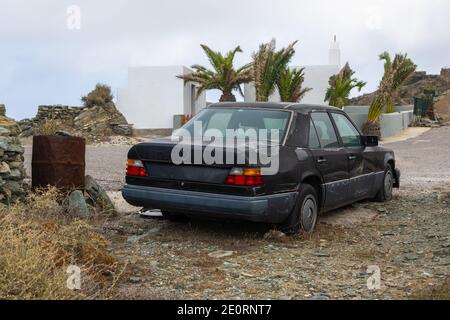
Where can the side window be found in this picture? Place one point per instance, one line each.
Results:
(325, 130)
(313, 141)
(349, 134)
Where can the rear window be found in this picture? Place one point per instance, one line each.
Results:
(223, 119)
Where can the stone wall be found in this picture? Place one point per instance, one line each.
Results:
(90, 122)
(12, 171)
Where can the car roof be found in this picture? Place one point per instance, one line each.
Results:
(297, 107)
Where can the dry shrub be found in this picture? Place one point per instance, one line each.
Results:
(38, 243)
(100, 96)
(48, 128)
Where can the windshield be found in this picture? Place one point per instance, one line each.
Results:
(268, 125)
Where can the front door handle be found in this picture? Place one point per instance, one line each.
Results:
(321, 160)
(352, 157)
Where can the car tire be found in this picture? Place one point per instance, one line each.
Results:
(173, 216)
(305, 213)
(385, 192)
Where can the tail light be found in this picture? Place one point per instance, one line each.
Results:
(136, 168)
(245, 177)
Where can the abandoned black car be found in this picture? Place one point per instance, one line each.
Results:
(324, 162)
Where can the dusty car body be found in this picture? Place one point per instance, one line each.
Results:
(324, 163)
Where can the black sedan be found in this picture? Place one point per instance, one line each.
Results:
(322, 162)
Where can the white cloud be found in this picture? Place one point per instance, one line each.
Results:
(120, 33)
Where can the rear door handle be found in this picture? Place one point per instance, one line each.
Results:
(321, 160)
(352, 157)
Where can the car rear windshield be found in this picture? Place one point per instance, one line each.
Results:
(223, 119)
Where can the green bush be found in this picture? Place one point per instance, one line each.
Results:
(100, 96)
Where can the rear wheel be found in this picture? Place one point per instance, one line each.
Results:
(305, 213)
(385, 192)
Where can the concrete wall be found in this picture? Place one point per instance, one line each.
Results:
(316, 77)
(154, 95)
(391, 123)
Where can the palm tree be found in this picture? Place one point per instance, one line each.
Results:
(341, 85)
(395, 74)
(223, 76)
(289, 85)
(267, 67)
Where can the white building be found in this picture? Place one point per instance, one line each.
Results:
(154, 95)
(316, 78)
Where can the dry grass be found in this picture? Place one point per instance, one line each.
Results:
(49, 127)
(38, 243)
(439, 292)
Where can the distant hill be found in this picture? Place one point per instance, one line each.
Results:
(413, 87)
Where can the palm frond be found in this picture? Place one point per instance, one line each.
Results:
(223, 76)
(395, 74)
(341, 86)
(267, 67)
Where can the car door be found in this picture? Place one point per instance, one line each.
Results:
(361, 179)
(331, 161)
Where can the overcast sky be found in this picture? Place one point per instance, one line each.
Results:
(43, 61)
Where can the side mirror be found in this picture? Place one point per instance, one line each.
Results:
(370, 141)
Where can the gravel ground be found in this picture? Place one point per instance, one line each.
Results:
(408, 239)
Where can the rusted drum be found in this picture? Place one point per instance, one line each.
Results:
(58, 161)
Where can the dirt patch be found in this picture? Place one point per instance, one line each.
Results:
(120, 204)
(406, 134)
(350, 216)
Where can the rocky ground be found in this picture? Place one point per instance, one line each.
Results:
(407, 238)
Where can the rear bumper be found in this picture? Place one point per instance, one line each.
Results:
(270, 208)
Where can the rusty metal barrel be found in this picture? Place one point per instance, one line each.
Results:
(58, 161)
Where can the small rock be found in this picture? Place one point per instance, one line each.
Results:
(15, 174)
(274, 235)
(4, 168)
(136, 238)
(78, 205)
(4, 131)
(134, 279)
(410, 257)
(381, 210)
(319, 297)
(321, 255)
(351, 292)
(99, 196)
(220, 254)
(248, 275)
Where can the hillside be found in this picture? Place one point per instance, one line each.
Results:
(414, 86)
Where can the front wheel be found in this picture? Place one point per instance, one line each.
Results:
(305, 213)
(385, 192)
